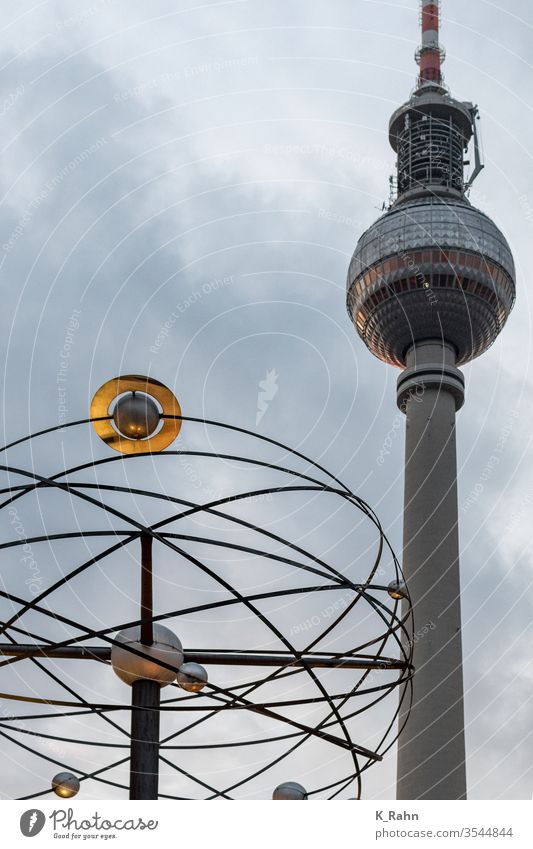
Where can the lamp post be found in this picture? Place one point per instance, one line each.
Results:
(144, 762)
(145, 692)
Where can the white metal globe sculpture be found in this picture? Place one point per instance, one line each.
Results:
(298, 631)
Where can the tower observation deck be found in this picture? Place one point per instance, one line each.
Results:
(430, 286)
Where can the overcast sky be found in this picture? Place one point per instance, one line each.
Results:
(189, 182)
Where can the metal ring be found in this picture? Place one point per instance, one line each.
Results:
(101, 418)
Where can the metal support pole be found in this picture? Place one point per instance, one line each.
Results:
(431, 748)
(314, 660)
(145, 696)
(147, 605)
(144, 763)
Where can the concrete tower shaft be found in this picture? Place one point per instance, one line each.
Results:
(431, 748)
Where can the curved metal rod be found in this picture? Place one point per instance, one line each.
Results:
(212, 574)
(287, 662)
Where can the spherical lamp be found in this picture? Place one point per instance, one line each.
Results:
(136, 415)
(65, 785)
(131, 667)
(290, 790)
(397, 590)
(192, 677)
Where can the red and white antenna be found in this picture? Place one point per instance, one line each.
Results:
(430, 55)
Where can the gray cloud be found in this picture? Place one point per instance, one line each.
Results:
(147, 155)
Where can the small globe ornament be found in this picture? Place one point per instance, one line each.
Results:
(130, 667)
(192, 677)
(65, 785)
(397, 590)
(290, 790)
(136, 415)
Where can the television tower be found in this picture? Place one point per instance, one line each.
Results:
(430, 287)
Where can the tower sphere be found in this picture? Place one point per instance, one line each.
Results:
(131, 667)
(433, 267)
